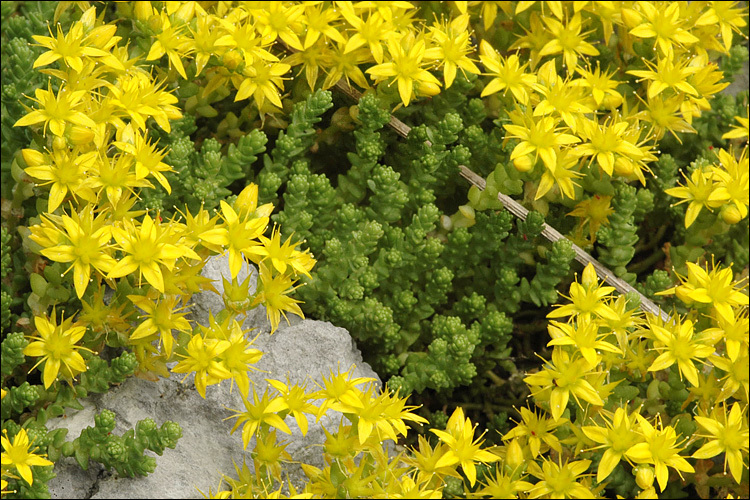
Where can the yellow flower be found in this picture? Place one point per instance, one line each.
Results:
(345, 65)
(137, 97)
(406, 66)
(736, 375)
(616, 438)
(56, 345)
(659, 448)
(728, 435)
(76, 45)
(371, 32)
(593, 212)
(463, 448)
(584, 336)
(667, 75)
(148, 160)
(262, 80)
(489, 11)
(587, 298)
(665, 115)
(604, 141)
(733, 175)
(203, 358)
(86, 246)
(558, 480)
(268, 455)
(320, 20)
(161, 318)
(539, 136)
(559, 97)
(279, 21)
(664, 25)
(678, 345)
(272, 293)
(385, 414)
(259, 412)
(507, 73)
(17, 455)
(425, 460)
(272, 249)
(535, 39)
(569, 40)
(734, 333)
(296, 402)
(238, 234)
(538, 431)
(727, 17)
(114, 175)
(453, 45)
(172, 41)
(700, 192)
(739, 132)
(312, 59)
(603, 88)
(502, 485)
(203, 42)
(563, 175)
(65, 170)
(564, 376)
(715, 287)
(240, 356)
(340, 388)
(146, 248)
(57, 110)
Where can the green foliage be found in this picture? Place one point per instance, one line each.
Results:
(440, 292)
(391, 273)
(101, 375)
(12, 352)
(618, 239)
(291, 144)
(123, 453)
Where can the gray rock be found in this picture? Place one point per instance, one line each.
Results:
(304, 351)
(740, 83)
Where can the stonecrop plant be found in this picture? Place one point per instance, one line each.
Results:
(132, 133)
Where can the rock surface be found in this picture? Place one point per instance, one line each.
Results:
(306, 350)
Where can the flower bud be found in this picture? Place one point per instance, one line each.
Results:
(624, 167)
(644, 476)
(231, 60)
(247, 200)
(32, 157)
(80, 135)
(59, 143)
(143, 11)
(524, 163)
(467, 212)
(731, 214)
(683, 293)
(630, 17)
(514, 454)
(428, 88)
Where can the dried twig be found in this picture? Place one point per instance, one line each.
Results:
(584, 258)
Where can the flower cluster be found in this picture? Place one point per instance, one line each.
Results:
(583, 98)
(603, 348)
(94, 155)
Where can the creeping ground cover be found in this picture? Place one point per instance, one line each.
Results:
(531, 217)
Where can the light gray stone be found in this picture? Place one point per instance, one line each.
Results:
(741, 81)
(304, 352)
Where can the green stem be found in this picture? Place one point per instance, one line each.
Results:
(647, 263)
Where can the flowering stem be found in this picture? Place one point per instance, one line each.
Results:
(646, 263)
